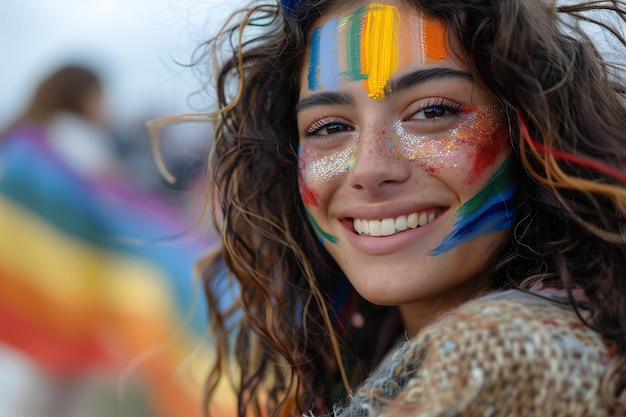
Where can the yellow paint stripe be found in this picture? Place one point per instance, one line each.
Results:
(379, 48)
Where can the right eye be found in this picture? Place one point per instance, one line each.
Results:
(327, 126)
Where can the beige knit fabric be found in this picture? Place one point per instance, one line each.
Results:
(510, 354)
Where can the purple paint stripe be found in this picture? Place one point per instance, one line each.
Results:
(329, 55)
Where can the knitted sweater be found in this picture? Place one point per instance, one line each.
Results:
(509, 354)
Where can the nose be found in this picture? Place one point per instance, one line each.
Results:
(377, 166)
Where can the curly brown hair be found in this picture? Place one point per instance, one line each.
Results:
(566, 109)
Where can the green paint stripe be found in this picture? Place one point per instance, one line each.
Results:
(328, 237)
(500, 181)
(355, 25)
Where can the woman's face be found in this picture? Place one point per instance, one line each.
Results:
(403, 157)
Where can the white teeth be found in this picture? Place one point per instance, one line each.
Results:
(387, 227)
(358, 226)
(390, 226)
(375, 228)
(401, 223)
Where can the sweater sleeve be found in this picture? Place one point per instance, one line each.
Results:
(509, 355)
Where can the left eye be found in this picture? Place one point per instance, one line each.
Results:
(329, 129)
(436, 109)
(327, 126)
(430, 113)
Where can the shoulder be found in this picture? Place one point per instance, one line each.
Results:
(506, 354)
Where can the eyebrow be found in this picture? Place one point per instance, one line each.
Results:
(325, 98)
(418, 77)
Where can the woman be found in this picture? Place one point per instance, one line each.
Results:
(68, 109)
(447, 174)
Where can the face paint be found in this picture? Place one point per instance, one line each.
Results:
(434, 45)
(316, 167)
(371, 41)
(483, 133)
(379, 48)
(310, 198)
(325, 72)
(321, 233)
(489, 211)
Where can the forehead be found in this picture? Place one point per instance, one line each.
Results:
(370, 44)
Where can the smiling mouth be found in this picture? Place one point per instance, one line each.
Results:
(391, 226)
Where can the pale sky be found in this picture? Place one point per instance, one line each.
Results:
(133, 42)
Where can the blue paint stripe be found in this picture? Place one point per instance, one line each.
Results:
(497, 215)
(506, 195)
(314, 61)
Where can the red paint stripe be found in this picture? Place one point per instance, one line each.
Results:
(486, 156)
(577, 160)
(309, 196)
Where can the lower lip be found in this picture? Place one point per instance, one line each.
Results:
(385, 245)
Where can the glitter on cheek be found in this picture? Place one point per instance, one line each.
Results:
(488, 133)
(326, 167)
(310, 198)
(431, 152)
(479, 135)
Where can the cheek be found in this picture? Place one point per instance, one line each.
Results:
(316, 214)
(472, 147)
(310, 196)
(489, 144)
(325, 167)
(432, 152)
(489, 211)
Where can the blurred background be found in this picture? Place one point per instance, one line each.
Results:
(138, 47)
(100, 312)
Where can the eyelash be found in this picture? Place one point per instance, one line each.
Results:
(441, 104)
(324, 122)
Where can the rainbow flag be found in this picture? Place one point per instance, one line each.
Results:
(87, 282)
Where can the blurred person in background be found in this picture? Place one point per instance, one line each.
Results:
(91, 294)
(69, 109)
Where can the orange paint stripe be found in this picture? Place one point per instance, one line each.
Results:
(435, 42)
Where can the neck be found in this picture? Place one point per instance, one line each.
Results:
(424, 312)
